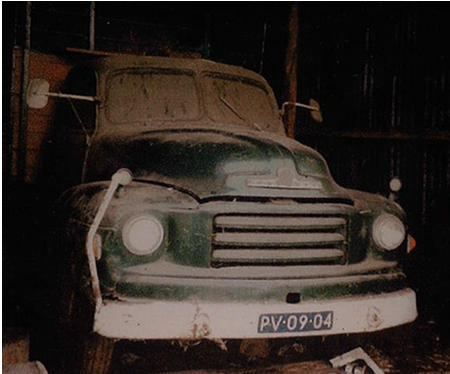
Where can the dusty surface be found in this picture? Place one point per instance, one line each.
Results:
(416, 349)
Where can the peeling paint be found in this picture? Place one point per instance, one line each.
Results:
(200, 324)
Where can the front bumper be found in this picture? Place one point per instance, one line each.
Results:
(192, 319)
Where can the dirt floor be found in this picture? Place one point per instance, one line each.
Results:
(415, 349)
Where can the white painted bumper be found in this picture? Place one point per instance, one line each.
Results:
(196, 320)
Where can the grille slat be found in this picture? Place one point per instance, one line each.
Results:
(290, 254)
(250, 239)
(280, 239)
(243, 222)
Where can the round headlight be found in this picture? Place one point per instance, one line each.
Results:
(142, 235)
(388, 232)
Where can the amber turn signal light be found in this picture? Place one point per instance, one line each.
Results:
(411, 244)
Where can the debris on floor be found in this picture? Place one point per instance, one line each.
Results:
(15, 346)
(356, 361)
(310, 367)
(255, 348)
(34, 367)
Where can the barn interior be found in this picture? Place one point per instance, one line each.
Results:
(379, 70)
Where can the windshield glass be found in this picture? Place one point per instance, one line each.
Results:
(138, 96)
(241, 101)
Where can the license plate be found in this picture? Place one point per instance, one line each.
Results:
(295, 322)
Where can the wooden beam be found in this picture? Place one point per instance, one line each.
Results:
(175, 54)
(291, 70)
(22, 138)
(95, 53)
(92, 26)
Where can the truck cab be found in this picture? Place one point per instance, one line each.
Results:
(219, 226)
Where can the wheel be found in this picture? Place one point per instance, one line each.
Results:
(81, 350)
(96, 355)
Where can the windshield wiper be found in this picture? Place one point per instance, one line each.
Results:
(231, 107)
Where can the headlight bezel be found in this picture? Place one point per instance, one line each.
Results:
(149, 241)
(388, 232)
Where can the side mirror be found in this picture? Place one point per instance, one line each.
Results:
(37, 93)
(313, 106)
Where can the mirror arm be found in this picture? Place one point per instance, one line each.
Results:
(286, 103)
(70, 96)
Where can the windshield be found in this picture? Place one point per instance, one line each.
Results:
(143, 95)
(241, 101)
(139, 96)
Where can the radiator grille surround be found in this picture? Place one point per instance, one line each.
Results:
(279, 240)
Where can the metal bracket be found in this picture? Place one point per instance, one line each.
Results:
(313, 106)
(121, 177)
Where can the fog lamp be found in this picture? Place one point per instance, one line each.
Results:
(388, 232)
(142, 235)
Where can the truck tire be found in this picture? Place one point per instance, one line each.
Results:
(97, 354)
(81, 350)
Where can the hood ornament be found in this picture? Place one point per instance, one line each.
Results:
(286, 179)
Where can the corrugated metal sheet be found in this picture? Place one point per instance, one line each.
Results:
(383, 84)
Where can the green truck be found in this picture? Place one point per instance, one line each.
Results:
(198, 218)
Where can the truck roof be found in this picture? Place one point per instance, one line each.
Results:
(105, 64)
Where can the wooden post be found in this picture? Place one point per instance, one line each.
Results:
(291, 70)
(92, 26)
(23, 124)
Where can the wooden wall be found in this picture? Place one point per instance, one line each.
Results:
(27, 148)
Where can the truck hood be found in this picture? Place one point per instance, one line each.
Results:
(212, 163)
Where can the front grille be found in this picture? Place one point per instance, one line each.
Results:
(247, 239)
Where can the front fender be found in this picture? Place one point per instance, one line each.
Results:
(81, 202)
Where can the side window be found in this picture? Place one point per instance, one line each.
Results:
(73, 125)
